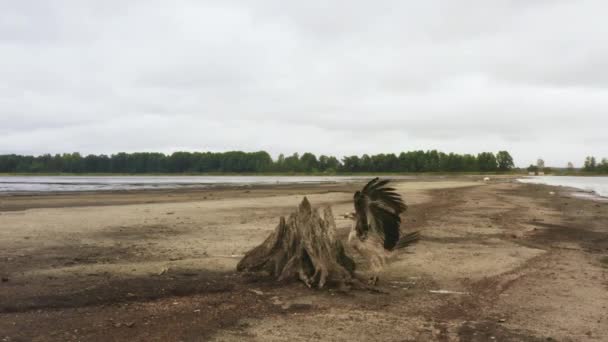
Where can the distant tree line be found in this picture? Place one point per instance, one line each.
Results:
(244, 162)
(592, 165)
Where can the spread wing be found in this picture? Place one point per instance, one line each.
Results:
(377, 207)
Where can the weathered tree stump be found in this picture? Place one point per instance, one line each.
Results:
(303, 247)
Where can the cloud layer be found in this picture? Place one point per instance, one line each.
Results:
(339, 77)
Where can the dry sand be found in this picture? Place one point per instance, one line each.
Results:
(517, 263)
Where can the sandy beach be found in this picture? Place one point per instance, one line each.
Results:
(498, 260)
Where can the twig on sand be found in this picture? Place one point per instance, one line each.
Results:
(448, 292)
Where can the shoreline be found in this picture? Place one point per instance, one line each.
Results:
(576, 186)
(55, 199)
(190, 193)
(287, 174)
(134, 187)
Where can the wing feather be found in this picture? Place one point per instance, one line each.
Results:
(378, 207)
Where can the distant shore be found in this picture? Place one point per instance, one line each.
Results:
(28, 174)
(520, 173)
(57, 184)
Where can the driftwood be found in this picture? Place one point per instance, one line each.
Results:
(303, 247)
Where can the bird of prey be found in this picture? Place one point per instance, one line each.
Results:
(375, 233)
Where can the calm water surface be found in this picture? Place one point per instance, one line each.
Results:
(597, 185)
(15, 184)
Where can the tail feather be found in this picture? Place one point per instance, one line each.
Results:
(408, 240)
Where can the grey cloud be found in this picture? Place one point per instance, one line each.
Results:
(337, 77)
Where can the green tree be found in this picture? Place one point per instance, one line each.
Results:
(504, 161)
(292, 163)
(351, 164)
(590, 164)
(260, 161)
(603, 167)
(486, 162)
(309, 162)
(328, 164)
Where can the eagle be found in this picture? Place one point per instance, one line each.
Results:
(375, 233)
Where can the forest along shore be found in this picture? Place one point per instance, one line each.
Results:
(500, 260)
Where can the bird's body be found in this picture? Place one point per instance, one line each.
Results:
(372, 250)
(375, 233)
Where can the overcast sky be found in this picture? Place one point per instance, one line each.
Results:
(333, 77)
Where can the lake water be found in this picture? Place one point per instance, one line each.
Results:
(597, 185)
(16, 184)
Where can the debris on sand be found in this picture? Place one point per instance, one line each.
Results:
(448, 292)
(405, 285)
(128, 325)
(276, 301)
(257, 292)
(295, 304)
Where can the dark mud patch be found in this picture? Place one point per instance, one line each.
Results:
(494, 331)
(141, 233)
(182, 305)
(583, 221)
(21, 261)
(468, 238)
(108, 289)
(167, 317)
(591, 241)
(25, 201)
